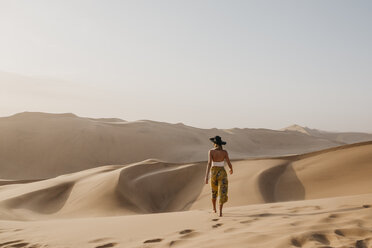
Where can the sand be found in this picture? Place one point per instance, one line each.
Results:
(320, 199)
(331, 222)
(42, 145)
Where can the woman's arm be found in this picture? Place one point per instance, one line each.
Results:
(229, 163)
(208, 166)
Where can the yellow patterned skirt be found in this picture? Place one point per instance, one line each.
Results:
(219, 183)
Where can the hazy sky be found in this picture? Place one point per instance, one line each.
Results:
(204, 63)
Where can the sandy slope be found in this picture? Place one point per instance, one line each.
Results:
(106, 206)
(320, 199)
(154, 186)
(41, 145)
(332, 222)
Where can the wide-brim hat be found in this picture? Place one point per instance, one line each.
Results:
(217, 140)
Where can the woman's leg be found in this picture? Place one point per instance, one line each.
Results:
(223, 186)
(214, 205)
(214, 186)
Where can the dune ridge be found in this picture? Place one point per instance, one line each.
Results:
(43, 145)
(91, 184)
(154, 186)
(320, 199)
(342, 137)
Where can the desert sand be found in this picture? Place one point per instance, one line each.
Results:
(42, 145)
(318, 199)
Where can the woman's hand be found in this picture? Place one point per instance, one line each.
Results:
(231, 171)
(206, 180)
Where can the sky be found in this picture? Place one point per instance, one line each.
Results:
(223, 64)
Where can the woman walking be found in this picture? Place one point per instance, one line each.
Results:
(219, 182)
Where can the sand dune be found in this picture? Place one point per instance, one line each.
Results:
(342, 137)
(317, 199)
(337, 171)
(320, 199)
(147, 187)
(154, 186)
(41, 145)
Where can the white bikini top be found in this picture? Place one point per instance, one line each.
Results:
(218, 164)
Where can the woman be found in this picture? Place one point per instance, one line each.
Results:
(219, 182)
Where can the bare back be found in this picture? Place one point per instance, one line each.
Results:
(218, 155)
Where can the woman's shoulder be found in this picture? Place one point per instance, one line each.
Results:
(217, 150)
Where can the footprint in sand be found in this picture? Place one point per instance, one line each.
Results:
(106, 245)
(215, 219)
(321, 238)
(353, 232)
(34, 246)
(296, 242)
(18, 245)
(186, 231)
(152, 240)
(178, 241)
(10, 242)
(317, 237)
(99, 240)
(360, 244)
(248, 221)
(330, 218)
(333, 216)
(265, 215)
(339, 232)
(366, 206)
(217, 225)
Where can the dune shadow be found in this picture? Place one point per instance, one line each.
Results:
(46, 201)
(280, 183)
(160, 187)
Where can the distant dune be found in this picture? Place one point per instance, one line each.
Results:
(42, 145)
(342, 137)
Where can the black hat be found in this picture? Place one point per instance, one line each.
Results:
(217, 140)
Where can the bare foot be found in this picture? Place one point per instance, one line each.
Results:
(215, 210)
(220, 214)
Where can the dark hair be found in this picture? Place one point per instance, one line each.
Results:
(218, 146)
